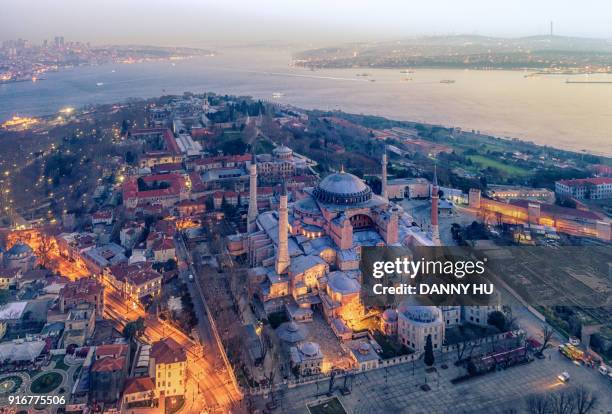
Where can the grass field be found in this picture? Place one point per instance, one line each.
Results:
(488, 162)
(332, 406)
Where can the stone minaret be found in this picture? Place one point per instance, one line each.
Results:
(384, 175)
(282, 255)
(435, 230)
(252, 214)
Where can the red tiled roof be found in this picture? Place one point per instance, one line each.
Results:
(111, 350)
(224, 159)
(137, 385)
(108, 364)
(134, 274)
(592, 180)
(168, 351)
(176, 181)
(81, 288)
(170, 166)
(558, 211)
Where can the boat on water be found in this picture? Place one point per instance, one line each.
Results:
(363, 74)
(447, 81)
(277, 95)
(100, 84)
(406, 71)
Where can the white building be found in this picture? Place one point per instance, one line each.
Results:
(416, 323)
(597, 188)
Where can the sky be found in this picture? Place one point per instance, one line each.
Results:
(317, 22)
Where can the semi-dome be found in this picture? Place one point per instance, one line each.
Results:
(341, 283)
(342, 188)
(19, 249)
(422, 314)
(291, 332)
(390, 315)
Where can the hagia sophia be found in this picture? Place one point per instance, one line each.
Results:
(306, 254)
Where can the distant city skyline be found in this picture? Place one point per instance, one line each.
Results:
(318, 22)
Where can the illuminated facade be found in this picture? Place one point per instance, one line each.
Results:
(307, 253)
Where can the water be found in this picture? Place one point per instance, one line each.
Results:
(542, 109)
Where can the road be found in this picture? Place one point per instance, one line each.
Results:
(215, 379)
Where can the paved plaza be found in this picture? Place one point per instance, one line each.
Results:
(397, 390)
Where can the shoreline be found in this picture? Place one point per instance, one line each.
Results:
(535, 133)
(480, 133)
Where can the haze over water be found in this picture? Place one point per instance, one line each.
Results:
(542, 109)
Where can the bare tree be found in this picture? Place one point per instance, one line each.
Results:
(547, 333)
(584, 400)
(43, 251)
(562, 403)
(538, 404)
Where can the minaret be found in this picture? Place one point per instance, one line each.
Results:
(282, 255)
(252, 214)
(384, 175)
(435, 230)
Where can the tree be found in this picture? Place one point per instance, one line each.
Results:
(584, 400)
(4, 296)
(429, 355)
(538, 404)
(562, 403)
(134, 328)
(547, 334)
(44, 249)
(497, 319)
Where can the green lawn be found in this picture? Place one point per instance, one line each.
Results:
(488, 162)
(46, 383)
(332, 406)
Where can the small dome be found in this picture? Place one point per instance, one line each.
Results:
(291, 332)
(422, 314)
(390, 315)
(310, 349)
(364, 348)
(282, 149)
(343, 188)
(340, 282)
(19, 248)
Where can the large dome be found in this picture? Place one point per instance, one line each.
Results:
(342, 188)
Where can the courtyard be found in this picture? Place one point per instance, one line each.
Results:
(398, 389)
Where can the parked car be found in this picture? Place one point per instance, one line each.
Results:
(604, 370)
(574, 341)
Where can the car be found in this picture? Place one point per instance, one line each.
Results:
(564, 377)
(574, 341)
(604, 370)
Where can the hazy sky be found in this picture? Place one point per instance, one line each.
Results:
(204, 22)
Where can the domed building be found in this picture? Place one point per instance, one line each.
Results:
(341, 298)
(306, 254)
(20, 256)
(416, 323)
(307, 358)
(388, 322)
